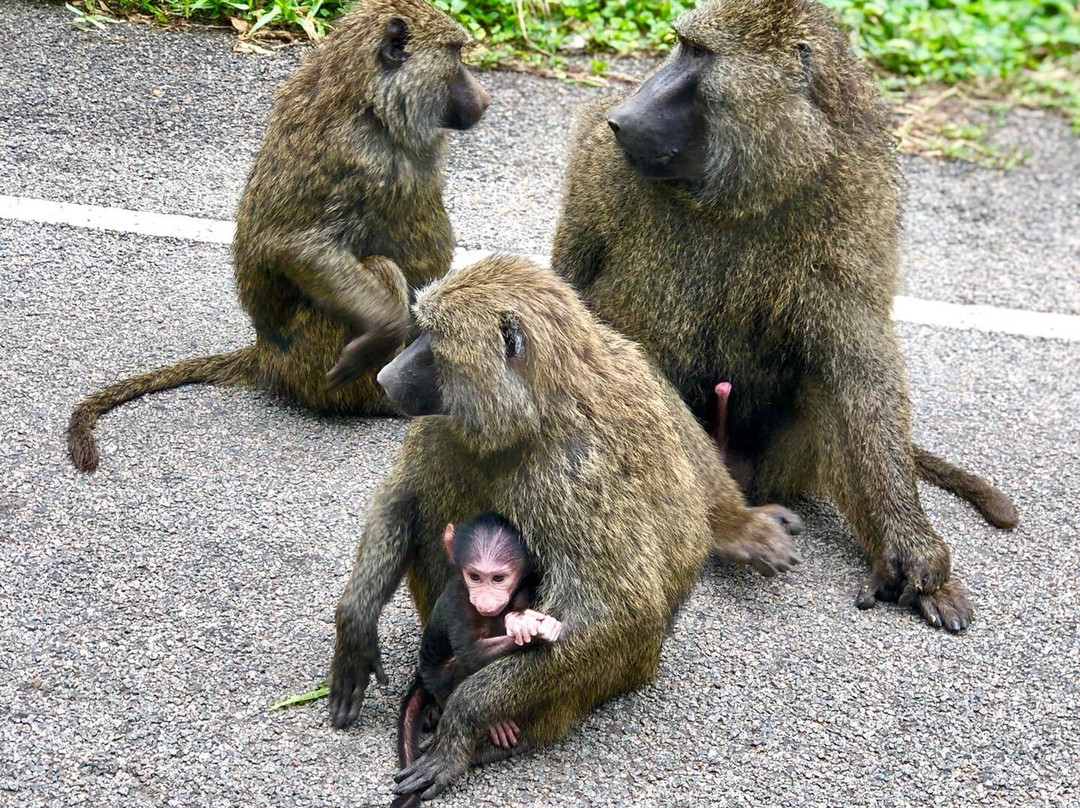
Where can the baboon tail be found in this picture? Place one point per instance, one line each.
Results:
(237, 367)
(993, 504)
(412, 710)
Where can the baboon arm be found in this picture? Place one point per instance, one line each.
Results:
(577, 253)
(863, 415)
(384, 553)
(368, 292)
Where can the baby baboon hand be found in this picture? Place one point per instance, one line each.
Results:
(523, 626)
(432, 773)
(504, 734)
(764, 542)
(356, 658)
(550, 629)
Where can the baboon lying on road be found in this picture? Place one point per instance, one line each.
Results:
(519, 394)
(341, 215)
(738, 215)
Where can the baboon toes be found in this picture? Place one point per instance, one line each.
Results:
(948, 607)
(790, 521)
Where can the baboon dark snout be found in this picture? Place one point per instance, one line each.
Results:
(468, 101)
(411, 381)
(657, 125)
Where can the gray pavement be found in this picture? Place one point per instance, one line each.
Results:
(150, 612)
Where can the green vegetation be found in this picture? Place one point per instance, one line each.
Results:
(321, 692)
(1024, 51)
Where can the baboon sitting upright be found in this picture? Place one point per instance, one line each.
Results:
(517, 391)
(341, 215)
(738, 215)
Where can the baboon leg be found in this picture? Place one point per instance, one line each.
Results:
(832, 447)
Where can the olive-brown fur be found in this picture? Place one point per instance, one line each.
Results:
(341, 214)
(619, 494)
(774, 269)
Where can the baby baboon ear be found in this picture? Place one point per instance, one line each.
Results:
(392, 50)
(513, 336)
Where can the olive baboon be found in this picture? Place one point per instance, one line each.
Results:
(619, 499)
(738, 214)
(341, 214)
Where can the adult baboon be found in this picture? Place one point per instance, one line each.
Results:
(738, 215)
(342, 213)
(619, 498)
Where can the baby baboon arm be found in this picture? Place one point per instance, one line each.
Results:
(864, 423)
(385, 550)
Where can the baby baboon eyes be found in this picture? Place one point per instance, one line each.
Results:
(513, 336)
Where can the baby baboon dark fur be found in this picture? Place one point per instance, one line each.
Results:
(540, 413)
(739, 216)
(341, 215)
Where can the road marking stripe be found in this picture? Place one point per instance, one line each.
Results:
(991, 319)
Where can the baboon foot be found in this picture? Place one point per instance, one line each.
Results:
(948, 606)
(765, 541)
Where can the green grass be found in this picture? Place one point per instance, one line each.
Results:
(1027, 51)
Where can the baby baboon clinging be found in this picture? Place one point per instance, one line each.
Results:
(619, 498)
(738, 214)
(341, 215)
(482, 614)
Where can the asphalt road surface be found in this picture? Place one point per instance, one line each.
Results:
(150, 612)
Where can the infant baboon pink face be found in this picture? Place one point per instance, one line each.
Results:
(491, 584)
(493, 563)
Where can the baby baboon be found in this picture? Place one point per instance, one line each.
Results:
(341, 215)
(619, 498)
(482, 614)
(738, 214)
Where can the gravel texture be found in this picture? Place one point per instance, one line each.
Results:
(150, 612)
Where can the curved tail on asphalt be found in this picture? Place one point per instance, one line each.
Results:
(234, 368)
(994, 505)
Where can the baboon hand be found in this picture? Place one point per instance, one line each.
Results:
(356, 658)
(433, 772)
(550, 629)
(765, 542)
(922, 584)
(383, 331)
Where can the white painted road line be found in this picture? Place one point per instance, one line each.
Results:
(991, 319)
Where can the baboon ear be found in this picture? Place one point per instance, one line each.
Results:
(513, 336)
(448, 541)
(395, 38)
(806, 59)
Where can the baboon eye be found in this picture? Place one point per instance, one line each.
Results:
(474, 577)
(499, 578)
(513, 336)
(392, 49)
(694, 49)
